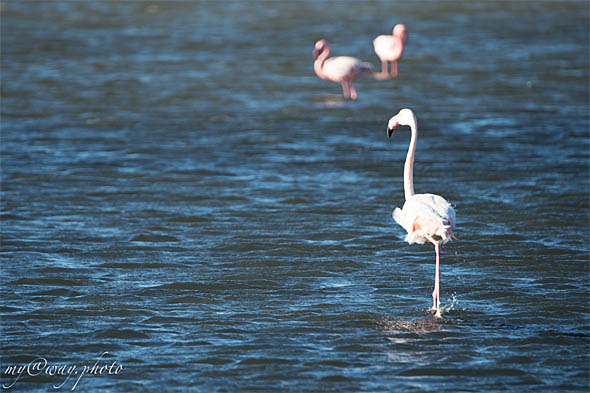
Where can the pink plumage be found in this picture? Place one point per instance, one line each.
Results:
(390, 48)
(340, 69)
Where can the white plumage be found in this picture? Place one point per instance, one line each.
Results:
(426, 217)
(342, 67)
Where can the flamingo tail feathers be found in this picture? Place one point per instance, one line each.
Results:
(365, 67)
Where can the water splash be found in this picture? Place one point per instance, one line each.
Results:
(453, 304)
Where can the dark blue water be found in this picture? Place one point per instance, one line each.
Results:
(179, 190)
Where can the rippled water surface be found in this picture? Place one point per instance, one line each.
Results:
(181, 191)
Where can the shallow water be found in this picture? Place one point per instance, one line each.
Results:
(181, 191)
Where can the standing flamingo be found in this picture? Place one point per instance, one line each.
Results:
(426, 217)
(341, 69)
(390, 48)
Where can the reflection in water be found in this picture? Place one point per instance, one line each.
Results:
(406, 336)
(401, 331)
(382, 77)
(329, 101)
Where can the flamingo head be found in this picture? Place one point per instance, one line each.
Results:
(399, 30)
(405, 117)
(320, 47)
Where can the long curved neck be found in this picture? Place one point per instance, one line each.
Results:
(318, 64)
(409, 165)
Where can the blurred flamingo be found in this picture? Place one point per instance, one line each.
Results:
(390, 48)
(426, 217)
(341, 69)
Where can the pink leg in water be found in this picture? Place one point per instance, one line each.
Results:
(394, 68)
(352, 91)
(384, 68)
(437, 282)
(436, 293)
(345, 90)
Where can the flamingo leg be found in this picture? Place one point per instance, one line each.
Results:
(384, 68)
(436, 281)
(436, 292)
(345, 89)
(394, 68)
(352, 91)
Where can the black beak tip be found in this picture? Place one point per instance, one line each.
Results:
(389, 132)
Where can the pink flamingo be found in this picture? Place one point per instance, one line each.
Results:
(390, 48)
(426, 217)
(341, 69)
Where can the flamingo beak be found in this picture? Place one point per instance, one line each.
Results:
(315, 53)
(390, 130)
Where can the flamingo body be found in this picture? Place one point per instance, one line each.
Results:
(344, 68)
(425, 217)
(340, 69)
(388, 47)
